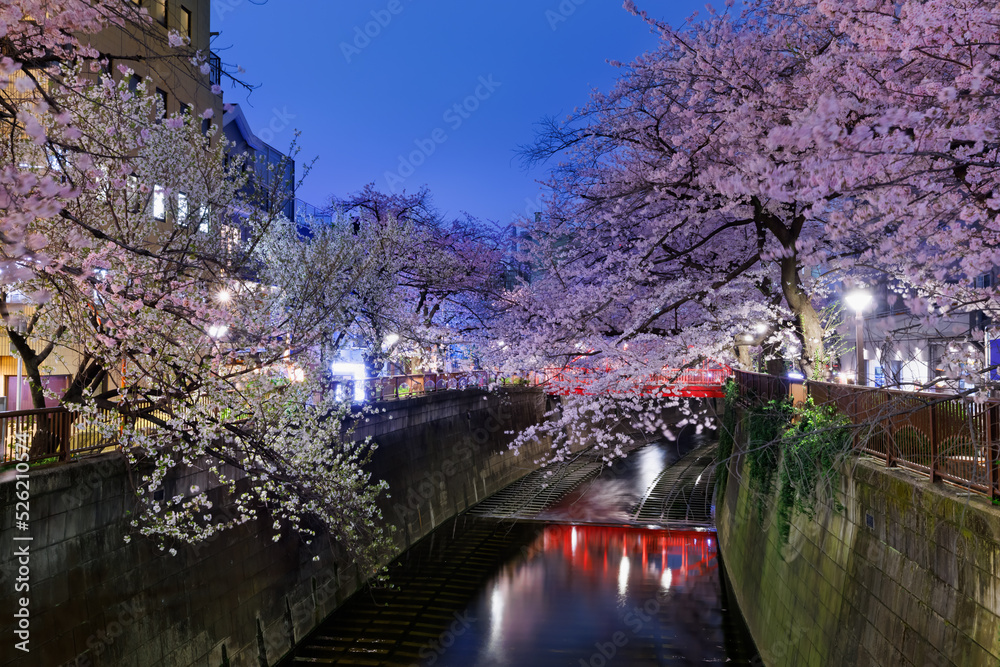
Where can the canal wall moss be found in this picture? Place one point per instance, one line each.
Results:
(241, 599)
(905, 573)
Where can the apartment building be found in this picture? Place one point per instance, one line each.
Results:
(181, 86)
(904, 352)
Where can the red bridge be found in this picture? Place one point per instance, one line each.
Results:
(703, 382)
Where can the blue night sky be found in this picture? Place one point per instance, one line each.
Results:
(363, 102)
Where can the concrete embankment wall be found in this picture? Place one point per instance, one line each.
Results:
(96, 600)
(905, 574)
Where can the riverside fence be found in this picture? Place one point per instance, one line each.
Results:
(60, 434)
(947, 437)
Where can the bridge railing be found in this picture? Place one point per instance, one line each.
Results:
(690, 382)
(943, 436)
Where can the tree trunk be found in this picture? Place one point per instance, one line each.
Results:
(808, 326)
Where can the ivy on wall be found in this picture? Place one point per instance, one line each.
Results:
(802, 447)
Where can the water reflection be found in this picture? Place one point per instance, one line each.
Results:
(604, 595)
(488, 594)
(480, 593)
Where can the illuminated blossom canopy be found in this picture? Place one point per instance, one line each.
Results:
(746, 171)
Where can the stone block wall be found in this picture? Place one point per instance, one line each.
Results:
(907, 573)
(95, 600)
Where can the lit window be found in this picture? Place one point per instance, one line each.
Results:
(182, 208)
(159, 202)
(231, 237)
(203, 219)
(162, 96)
(186, 22)
(160, 11)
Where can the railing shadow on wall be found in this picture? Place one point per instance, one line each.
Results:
(944, 436)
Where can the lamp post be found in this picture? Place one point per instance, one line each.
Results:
(857, 301)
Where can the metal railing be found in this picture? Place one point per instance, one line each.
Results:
(761, 386)
(408, 386)
(944, 436)
(47, 434)
(59, 434)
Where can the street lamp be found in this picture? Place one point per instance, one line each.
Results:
(857, 301)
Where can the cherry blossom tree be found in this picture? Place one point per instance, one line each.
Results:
(210, 344)
(201, 320)
(900, 116)
(753, 166)
(669, 220)
(447, 275)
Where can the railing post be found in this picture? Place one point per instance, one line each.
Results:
(992, 448)
(64, 434)
(892, 456)
(935, 450)
(853, 417)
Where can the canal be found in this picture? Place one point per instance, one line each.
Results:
(580, 583)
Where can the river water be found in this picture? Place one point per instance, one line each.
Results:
(568, 589)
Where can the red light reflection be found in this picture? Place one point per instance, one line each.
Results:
(686, 553)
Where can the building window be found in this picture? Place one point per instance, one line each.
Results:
(203, 219)
(182, 208)
(133, 82)
(185, 22)
(133, 193)
(159, 11)
(159, 202)
(985, 280)
(206, 125)
(231, 237)
(162, 96)
(185, 109)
